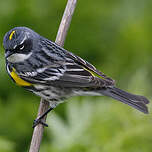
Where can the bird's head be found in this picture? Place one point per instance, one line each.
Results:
(18, 44)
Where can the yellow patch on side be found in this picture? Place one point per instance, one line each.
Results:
(18, 80)
(91, 72)
(94, 74)
(11, 35)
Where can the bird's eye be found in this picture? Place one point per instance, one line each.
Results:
(21, 47)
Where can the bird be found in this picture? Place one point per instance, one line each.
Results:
(55, 74)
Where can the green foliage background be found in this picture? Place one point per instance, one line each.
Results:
(115, 36)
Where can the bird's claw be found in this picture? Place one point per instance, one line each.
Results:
(39, 121)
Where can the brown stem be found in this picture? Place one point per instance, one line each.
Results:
(44, 105)
(65, 22)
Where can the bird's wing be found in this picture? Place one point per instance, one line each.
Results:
(69, 70)
(90, 68)
(70, 56)
(66, 75)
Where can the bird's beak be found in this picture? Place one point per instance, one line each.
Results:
(8, 53)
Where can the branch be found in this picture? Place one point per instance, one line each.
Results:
(44, 105)
(65, 23)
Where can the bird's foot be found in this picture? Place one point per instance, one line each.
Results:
(39, 121)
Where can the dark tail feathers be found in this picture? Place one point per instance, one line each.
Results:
(136, 101)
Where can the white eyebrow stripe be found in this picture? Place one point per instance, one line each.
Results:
(23, 40)
(20, 42)
(14, 46)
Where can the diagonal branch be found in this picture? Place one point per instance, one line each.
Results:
(65, 23)
(44, 105)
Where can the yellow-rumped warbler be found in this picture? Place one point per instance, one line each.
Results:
(51, 72)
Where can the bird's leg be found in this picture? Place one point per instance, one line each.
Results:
(39, 119)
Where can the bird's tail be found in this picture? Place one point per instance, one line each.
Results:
(136, 101)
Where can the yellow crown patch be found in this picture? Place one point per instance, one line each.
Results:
(11, 35)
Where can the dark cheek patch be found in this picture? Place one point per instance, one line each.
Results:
(27, 44)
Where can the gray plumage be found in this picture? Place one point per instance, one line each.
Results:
(56, 74)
